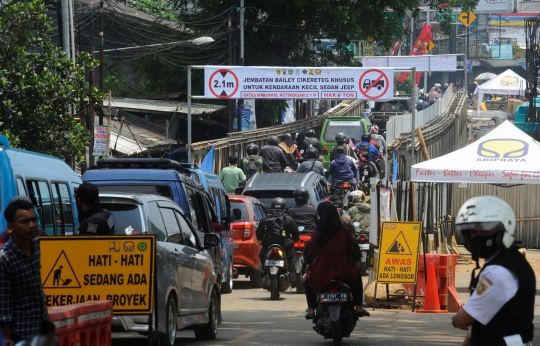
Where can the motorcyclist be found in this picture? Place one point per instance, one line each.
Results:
(303, 214)
(252, 149)
(312, 141)
(289, 150)
(289, 233)
(341, 142)
(502, 303)
(272, 155)
(311, 164)
(343, 169)
(360, 212)
(301, 145)
(378, 139)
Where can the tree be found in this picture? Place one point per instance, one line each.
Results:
(38, 85)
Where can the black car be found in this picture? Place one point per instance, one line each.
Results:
(267, 186)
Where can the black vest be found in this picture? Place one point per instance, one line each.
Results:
(516, 316)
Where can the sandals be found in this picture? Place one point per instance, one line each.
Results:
(362, 313)
(310, 315)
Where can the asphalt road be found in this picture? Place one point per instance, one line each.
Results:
(251, 318)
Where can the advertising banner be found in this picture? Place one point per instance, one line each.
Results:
(341, 83)
(425, 63)
(100, 140)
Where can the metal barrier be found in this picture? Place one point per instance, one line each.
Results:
(236, 142)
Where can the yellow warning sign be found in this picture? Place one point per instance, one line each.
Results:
(398, 257)
(118, 268)
(430, 46)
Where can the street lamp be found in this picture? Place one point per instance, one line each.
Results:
(194, 42)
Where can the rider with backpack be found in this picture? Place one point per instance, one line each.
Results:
(303, 214)
(311, 164)
(277, 228)
(312, 141)
(252, 163)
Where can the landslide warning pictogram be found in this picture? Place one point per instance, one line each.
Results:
(61, 274)
(399, 246)
(223, 83)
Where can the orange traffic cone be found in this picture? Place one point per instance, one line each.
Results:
(431, 300)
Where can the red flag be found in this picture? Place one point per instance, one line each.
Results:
(396, 47)
(419, 48)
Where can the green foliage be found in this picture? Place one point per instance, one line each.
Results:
(38, 86)
(517, 51)
(158, 9)
(406, 87)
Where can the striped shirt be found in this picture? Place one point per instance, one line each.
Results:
(22, 301)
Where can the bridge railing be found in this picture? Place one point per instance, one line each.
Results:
(236, 142)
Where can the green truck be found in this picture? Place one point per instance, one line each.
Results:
(354, 127)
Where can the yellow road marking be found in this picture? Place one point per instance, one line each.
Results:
(244, 337)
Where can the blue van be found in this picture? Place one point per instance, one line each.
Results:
(215, 188)
(47, 180)
(167, 178)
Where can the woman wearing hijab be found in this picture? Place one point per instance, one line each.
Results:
(289, 148)
(301, 145)
(334, 247)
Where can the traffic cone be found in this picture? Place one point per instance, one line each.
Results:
(431, 300)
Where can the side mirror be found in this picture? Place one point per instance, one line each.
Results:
(237, 214)
(211, 240)
(301, 228)
(356, 224)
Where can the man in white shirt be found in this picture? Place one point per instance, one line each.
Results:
(501, 307)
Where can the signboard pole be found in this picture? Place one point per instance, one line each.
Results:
(413, 116)
(155, 320)
(189, 114)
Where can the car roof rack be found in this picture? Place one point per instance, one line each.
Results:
(189, 165)
(140, 163)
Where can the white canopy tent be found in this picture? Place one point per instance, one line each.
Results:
(506, 155)
(507, 83)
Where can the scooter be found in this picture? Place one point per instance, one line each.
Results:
(298, 265)
(365, 250)
(335, 316)
(341, 190)
(276, 275)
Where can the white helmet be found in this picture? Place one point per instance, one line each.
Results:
(487, 213)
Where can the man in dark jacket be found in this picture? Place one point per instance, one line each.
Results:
(304, 215)
(343, 169)
(272, 155)
(93, 218)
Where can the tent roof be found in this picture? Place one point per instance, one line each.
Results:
(506, 155)
(507, 83)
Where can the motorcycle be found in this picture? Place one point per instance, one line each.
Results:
(365, 250)
(276, 273)
(298, 265)
(341, 190)
(335, 316)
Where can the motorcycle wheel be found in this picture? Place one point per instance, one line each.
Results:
(336, 333)
(274, 289)
(298, 283)
(363, 269)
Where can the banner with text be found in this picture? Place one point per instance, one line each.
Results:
(424, 63)
(299, 83)
(100, 140)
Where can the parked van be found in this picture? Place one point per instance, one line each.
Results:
(215, 188)
(167, 178)
(354, 127)
(47, 180)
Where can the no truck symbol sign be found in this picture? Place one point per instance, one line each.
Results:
(374, 84)
(223, 83)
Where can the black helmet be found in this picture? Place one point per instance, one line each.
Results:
(301, 196)
(310, 133)
(273, 140)
(340, 137)
(366, 137)
(252, 149)
(278, 204)
(312, 153)
(88, 193)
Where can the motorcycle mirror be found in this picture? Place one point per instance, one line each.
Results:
(356, 224)
(301, 228)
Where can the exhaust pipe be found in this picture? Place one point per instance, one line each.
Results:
(283, 282)
(234, 272)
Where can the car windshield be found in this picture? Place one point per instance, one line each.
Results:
(162, 190)
(353, 128)
(266, 196)
(243, 210)
(128, 218)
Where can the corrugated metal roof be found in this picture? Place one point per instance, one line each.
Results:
(135, 140)
(143, 105)
(500, 63)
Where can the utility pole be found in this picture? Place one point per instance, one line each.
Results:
(230, 103)
(91, 82)
(101, 59)
(241, 101)
(65, 28)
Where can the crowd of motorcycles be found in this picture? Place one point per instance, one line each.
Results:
(335, 315)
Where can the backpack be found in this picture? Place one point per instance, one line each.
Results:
(364, 151)
(273, 231)
(252, 167)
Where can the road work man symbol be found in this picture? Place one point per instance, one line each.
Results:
(58, 277)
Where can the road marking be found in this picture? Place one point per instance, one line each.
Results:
(244, 337)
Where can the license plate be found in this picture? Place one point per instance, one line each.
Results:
(363, 246)
(366, 172)
(333, 297)
(364, 256)
(277, 263)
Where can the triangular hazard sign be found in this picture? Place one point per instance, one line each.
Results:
(61, 274)
(399, 246)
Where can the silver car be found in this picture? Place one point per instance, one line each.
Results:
(188, 294)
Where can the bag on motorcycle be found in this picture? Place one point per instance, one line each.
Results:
(251, 167)
(273, 231)
(364, 151)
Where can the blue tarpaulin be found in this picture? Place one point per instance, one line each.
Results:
(208, 162)
(394, 167)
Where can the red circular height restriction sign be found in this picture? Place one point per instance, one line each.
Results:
(373, 84)
(223, 84)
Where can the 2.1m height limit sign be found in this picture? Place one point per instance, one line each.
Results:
(353, 83)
